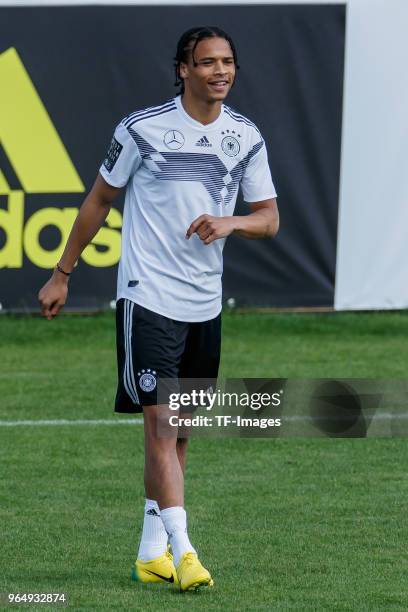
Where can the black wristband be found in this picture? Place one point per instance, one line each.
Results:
(62, 271)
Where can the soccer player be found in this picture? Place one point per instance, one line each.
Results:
(182, 163)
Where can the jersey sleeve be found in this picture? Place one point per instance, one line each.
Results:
(256, 183)
(122, 159)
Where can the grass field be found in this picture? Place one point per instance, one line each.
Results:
(285, 524)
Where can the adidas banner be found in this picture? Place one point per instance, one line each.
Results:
(68, 75)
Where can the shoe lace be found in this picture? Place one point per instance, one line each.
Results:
(189, 558)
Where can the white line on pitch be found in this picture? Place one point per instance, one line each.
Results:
(72, 422)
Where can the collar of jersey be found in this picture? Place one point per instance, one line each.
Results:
(196, 124)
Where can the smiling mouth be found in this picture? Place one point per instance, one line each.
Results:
(218, 84)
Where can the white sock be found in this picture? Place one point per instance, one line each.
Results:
(175, 521)
(154, 536)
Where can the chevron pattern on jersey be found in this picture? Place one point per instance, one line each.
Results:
(204, 168)
(238, 171)
(144, 147)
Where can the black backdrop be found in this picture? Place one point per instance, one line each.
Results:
(93, 65)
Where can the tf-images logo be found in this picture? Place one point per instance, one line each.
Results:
(173, 139)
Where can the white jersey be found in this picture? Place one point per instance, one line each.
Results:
(177, 169)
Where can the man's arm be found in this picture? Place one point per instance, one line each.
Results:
(262, 222)
(91, 217)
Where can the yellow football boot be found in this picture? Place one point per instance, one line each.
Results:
(191, 574)
(160, 569)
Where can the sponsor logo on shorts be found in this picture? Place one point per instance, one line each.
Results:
(147, 380)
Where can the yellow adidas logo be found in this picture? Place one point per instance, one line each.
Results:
(42, 166)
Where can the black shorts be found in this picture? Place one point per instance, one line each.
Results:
(151, 346)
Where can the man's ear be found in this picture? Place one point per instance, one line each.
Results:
(183, 70)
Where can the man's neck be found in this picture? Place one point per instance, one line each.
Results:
(201, 110)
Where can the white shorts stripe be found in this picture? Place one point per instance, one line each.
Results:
(132, 374)
(128, 372)
(125, 373)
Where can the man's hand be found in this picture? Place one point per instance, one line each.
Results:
(262, 222)
(53, 295)
(210, 228)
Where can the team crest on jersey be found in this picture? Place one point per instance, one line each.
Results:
(147, 380)
(173, 139)
(230, 146)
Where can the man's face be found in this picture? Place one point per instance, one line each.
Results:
(212, 75)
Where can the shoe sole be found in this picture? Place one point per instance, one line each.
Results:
(197, 585)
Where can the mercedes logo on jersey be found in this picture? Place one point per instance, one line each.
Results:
(173, 139)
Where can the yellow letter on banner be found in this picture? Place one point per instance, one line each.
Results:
(62, 219)
(4, 188)
(11, 222)
(106, 237)
(28, 135)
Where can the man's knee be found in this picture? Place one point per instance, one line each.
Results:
(158, 431)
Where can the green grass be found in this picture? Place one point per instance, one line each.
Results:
(284, 524)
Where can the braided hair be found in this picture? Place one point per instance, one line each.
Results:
(189, 41)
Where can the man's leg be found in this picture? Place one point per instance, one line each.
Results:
(163, 483)
(181, 448)
(163, 475)
(150, 347)
(153, 542)
(164, 480)
(164, 487)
